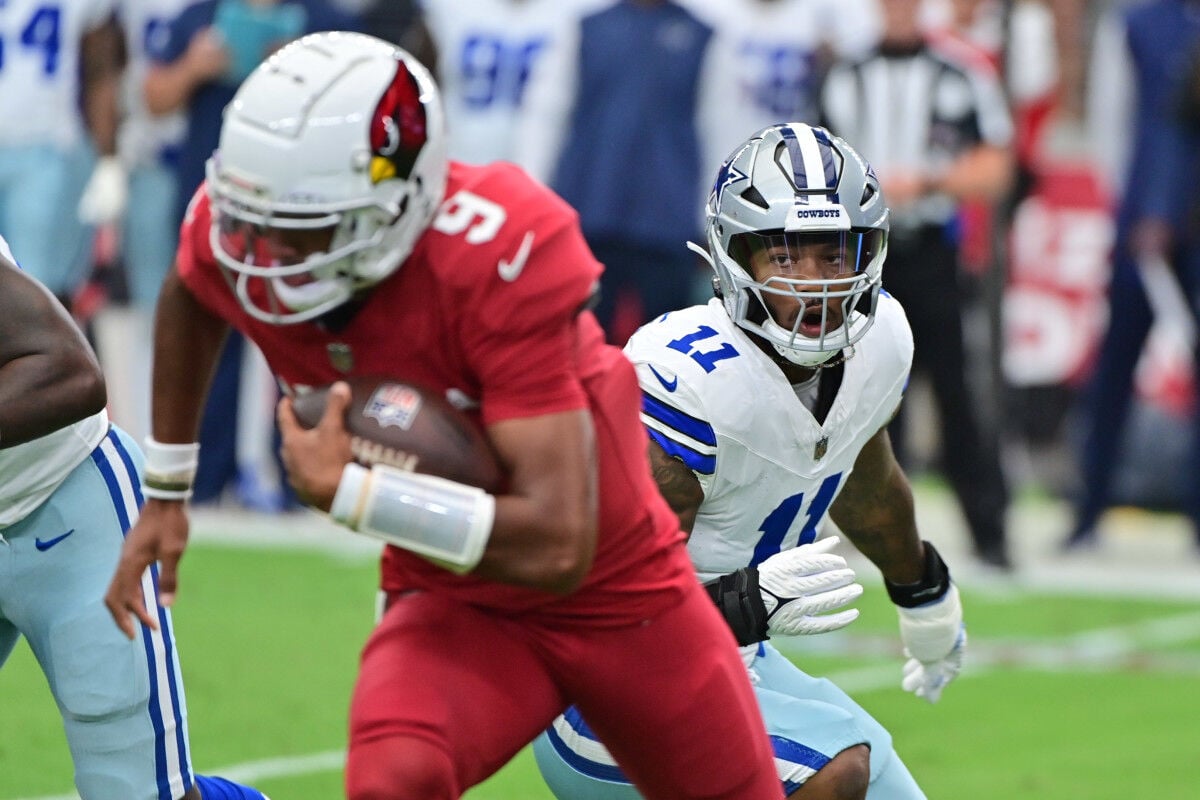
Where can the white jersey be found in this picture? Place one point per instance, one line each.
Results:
(145, 138)
(764, 64)
(39, 70)
(769, 470)
(30, 472)
(487, 52)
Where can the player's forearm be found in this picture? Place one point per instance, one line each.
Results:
(101, 67)
(985, 173)
(49, 377)
(882, 525)
(46, 392)
(187, 343)
(168, 87)
(526, 550)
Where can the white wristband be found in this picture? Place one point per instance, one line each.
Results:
(170, 469)
(444, 521)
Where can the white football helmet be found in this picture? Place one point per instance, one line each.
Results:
(337, 141)
(788, 187)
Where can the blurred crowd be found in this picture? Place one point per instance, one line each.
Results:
(1037, 156)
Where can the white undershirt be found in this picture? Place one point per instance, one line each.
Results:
(806, 392)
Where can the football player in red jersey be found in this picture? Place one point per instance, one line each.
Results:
(334, 233)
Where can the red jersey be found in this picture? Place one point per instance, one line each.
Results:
(489, 308)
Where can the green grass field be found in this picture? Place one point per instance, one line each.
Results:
(1064, 696)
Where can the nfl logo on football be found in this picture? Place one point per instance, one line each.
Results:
(393, 404)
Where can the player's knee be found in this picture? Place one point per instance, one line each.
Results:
(400, 768)
(845, 777)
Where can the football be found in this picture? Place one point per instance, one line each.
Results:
(409, 427)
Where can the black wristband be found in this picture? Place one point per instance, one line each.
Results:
(740, 602)
(934, 583)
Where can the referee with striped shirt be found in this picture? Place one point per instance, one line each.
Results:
(936, 127)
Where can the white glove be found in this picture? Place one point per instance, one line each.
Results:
(801, 584)
(935, 641)
(107, 191)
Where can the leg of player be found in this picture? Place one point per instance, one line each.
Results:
(671, 719)
(826, 746)
(122, 701)
(410, 741)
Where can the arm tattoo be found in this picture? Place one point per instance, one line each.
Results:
(677, 484)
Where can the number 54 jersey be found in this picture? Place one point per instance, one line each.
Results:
(769, 469)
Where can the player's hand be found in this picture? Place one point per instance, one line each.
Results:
(106, 194)
(160, 534)
(802, 585)
(314, 458)
(935, 641)
(206, 57)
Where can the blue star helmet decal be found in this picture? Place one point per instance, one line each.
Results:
(728, 174)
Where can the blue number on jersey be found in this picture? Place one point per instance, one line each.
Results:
(156, 34)
(705, 358)
(785, 86)
(42, 33)
(496, 71)
(779, 521)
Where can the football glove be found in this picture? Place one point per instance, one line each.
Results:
(801, 585)
(935, 641)
(107, 191)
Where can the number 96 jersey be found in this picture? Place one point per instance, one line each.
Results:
(769, 469)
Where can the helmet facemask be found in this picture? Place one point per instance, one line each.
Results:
(304, 264)
(796, 264)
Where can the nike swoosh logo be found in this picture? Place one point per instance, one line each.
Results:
(930, 590)
(48, 543)
(668, 385)
(511, 270)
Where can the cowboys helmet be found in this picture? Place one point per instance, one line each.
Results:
(786, 190)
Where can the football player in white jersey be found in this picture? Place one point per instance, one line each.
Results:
(136, 188)
(44, 155)
(69, 490)
(487, 52)
(767, 410)
(767, 59)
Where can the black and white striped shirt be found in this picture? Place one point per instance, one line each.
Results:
(915, 110)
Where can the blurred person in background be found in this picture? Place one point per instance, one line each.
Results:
(611, 125)
(767, 60)
(1144, 96)
(134, 190)
(58, 79)
(69, 491)
(487, 52)
(400, 21)
(196, 68)
(938, 131)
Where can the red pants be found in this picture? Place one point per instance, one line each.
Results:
(468, 688)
